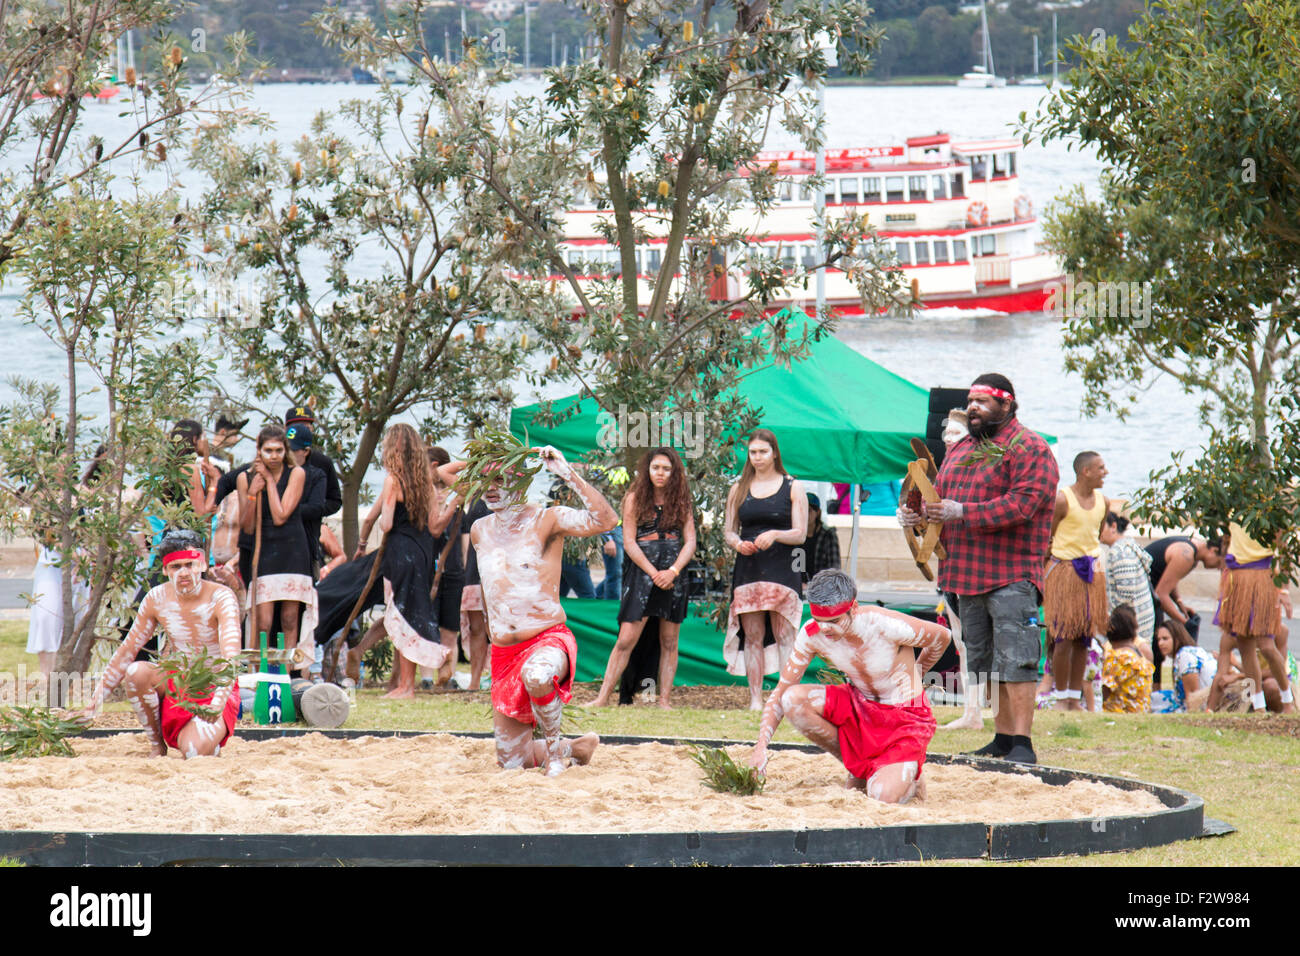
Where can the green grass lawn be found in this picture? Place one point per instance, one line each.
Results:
(1249, 778)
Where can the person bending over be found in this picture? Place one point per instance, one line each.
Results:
(878, 723)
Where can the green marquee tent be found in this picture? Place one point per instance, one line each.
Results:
(838, 415)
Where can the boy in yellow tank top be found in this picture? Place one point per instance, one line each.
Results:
(1074, 588)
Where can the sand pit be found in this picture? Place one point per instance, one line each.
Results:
(442, 784)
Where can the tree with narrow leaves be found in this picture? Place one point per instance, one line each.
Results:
(1197, 121)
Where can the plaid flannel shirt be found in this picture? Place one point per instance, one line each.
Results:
(1006, 524)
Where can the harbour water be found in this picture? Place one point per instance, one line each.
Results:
(931, 350)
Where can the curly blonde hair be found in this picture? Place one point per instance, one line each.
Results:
(404, 458)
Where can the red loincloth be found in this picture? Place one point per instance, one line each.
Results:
(509, 695)
(173, 717)
(873, 735)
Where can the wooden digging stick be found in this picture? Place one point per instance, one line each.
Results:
(356, 608)
(252, 586)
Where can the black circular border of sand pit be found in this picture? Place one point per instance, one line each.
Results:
(1181, 819)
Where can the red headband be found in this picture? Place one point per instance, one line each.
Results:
(832, 610)
(990, 390)
(190, 555)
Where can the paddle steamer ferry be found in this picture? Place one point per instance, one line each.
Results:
(953, 212)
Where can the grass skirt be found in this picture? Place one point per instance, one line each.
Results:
(1248, 605)
(1072, 609)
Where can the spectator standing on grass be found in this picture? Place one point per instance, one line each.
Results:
(766, 519)
(1128, 574)
(659, 505)
(822, 546)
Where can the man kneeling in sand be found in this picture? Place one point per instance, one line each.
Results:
(878, 723)
(519, 548)
(195, 614)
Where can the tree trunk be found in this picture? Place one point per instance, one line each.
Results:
(352, 484)
(67, 542)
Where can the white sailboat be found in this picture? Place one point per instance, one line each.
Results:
(1034, 79)
(983, 76)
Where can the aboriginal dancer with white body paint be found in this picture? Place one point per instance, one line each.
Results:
(195, 615)
(534, 654)
(878, 723)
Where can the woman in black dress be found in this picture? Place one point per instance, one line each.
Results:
(273, 487)
(660, 507)
(767, 518)
(404, 510)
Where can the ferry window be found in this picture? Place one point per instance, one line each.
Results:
(1011, 163)
(959, 250)
(638, 262)
(803, 192)
(849, 189)
(985, 245)
(904, 250)
(893, 189)
(830, 191)
(652, 261)
(916, 187)
(941, 250)
(940, 186)
(787, 256)
(999, 164)
(871, 189)
(784, 191)
(922, 253)
(958, 187)
(978, 165)
(806, 255)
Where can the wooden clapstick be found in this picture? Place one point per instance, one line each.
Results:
(930, 537)
(922, 451)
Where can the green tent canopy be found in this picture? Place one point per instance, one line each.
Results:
(838, 415)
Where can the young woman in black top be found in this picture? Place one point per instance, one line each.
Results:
(659, 506)
(767, 518)
(284, 561)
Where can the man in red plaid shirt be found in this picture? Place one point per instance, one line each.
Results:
(998, 489)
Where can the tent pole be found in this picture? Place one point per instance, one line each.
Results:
(853, 539)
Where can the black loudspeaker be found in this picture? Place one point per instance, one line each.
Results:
(944, 400)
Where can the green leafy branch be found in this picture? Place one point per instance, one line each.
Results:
(724, 775)
(196, 675)
(495, 456)
(36, 732)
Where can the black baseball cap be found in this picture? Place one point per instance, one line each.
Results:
(299, 413)
(299, 436)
